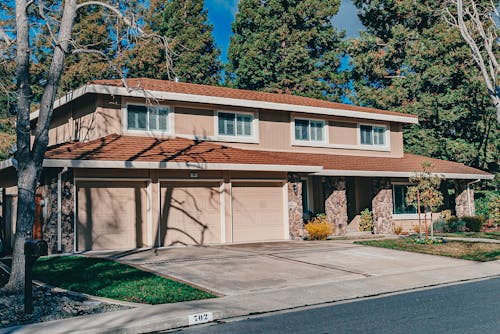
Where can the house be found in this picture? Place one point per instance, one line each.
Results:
(157, 163)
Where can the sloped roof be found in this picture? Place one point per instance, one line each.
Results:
(179, 150)
(241, 94)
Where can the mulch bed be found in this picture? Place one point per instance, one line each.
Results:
(48, 305)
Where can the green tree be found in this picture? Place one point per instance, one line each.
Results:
(195, 55)
(286, 46)
(410, 60)
(425, 194)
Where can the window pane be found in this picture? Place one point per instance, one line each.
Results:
(316, 130)
(244, 125)
(379, 136)
(305, 202)
(137, 117)
(366, 135)
(301, 129)
(400, 206)
(163, 119)
(226, 124)
(153, 119)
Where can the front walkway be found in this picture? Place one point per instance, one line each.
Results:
(258, 267)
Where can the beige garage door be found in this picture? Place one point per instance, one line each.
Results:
(190, 213)
(257, 212)
(112, 215)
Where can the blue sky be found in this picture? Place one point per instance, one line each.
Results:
(221, 13)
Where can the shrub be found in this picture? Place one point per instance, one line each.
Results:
(473, 223)
(416, 229)
(398, 229)
(488, 205)
(366, 221)
(440, 226)
(319, 228)
(445, 214)
(455, 224)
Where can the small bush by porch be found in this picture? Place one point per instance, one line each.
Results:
(476, 251)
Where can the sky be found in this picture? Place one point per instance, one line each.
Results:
(221, 14)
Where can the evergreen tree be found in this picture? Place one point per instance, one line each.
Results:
(195, 55)
(286, 46)
(410, 60)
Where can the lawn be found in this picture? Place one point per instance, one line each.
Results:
(477, 251)
(113, 280)
(484, 235)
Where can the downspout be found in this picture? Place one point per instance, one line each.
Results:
(59, 209)
(469, 205)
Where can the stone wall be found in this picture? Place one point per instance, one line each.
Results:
(48, 191)
(336, 203)
(297, 230)
(382, 205)
(462, 200)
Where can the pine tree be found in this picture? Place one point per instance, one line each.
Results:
(286, 46)
(195, 55)
(410, 60)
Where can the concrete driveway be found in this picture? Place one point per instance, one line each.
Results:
(247, 268)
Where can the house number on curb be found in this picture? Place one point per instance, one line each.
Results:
(200, 318)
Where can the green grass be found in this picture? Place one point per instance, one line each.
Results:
(484, 235)
(476, 251)
(113, 280)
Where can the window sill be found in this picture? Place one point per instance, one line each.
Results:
(409, 216)
(341, 146)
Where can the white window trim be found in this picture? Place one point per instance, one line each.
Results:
(170, 120)
(387, 134)
(404, 216)
(253, 139)
(320, 143)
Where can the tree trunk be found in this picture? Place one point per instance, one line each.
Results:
(24, 227)
(496, 101)
(419, 213)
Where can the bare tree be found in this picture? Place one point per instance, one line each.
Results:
(477, 23)
(29, 156)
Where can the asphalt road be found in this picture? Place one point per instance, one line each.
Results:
(464, 308)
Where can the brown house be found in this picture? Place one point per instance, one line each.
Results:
(160, 163)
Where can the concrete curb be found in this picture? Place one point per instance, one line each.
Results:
(171, 316)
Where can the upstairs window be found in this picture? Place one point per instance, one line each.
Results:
(232, 124)
(147, 118)
(309, 130)
(372, 135)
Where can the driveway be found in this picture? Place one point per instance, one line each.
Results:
(247, 268)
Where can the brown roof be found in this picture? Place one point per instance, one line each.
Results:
(132, 148)
(242, 94)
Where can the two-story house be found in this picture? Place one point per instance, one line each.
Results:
(159, 163)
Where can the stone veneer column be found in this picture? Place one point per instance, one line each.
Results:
(49, 227)
(382, 205)
(336, 203)
(295, 210)
(462, 198)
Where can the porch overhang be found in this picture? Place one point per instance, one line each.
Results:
(8, 174)
(396, 174)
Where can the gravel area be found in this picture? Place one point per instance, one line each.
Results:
(48, 305)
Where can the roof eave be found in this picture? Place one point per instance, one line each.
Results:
(178, 165)
(182, 97)
(367, 173)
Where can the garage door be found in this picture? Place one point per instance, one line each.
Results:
(111, 215)
(190, 213)
(257, 212)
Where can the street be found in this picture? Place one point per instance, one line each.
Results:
(463, 308)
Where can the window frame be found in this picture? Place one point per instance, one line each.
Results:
(170, 119)
(387, 136)
(310, 142)
(403, 216)
(253, 138)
